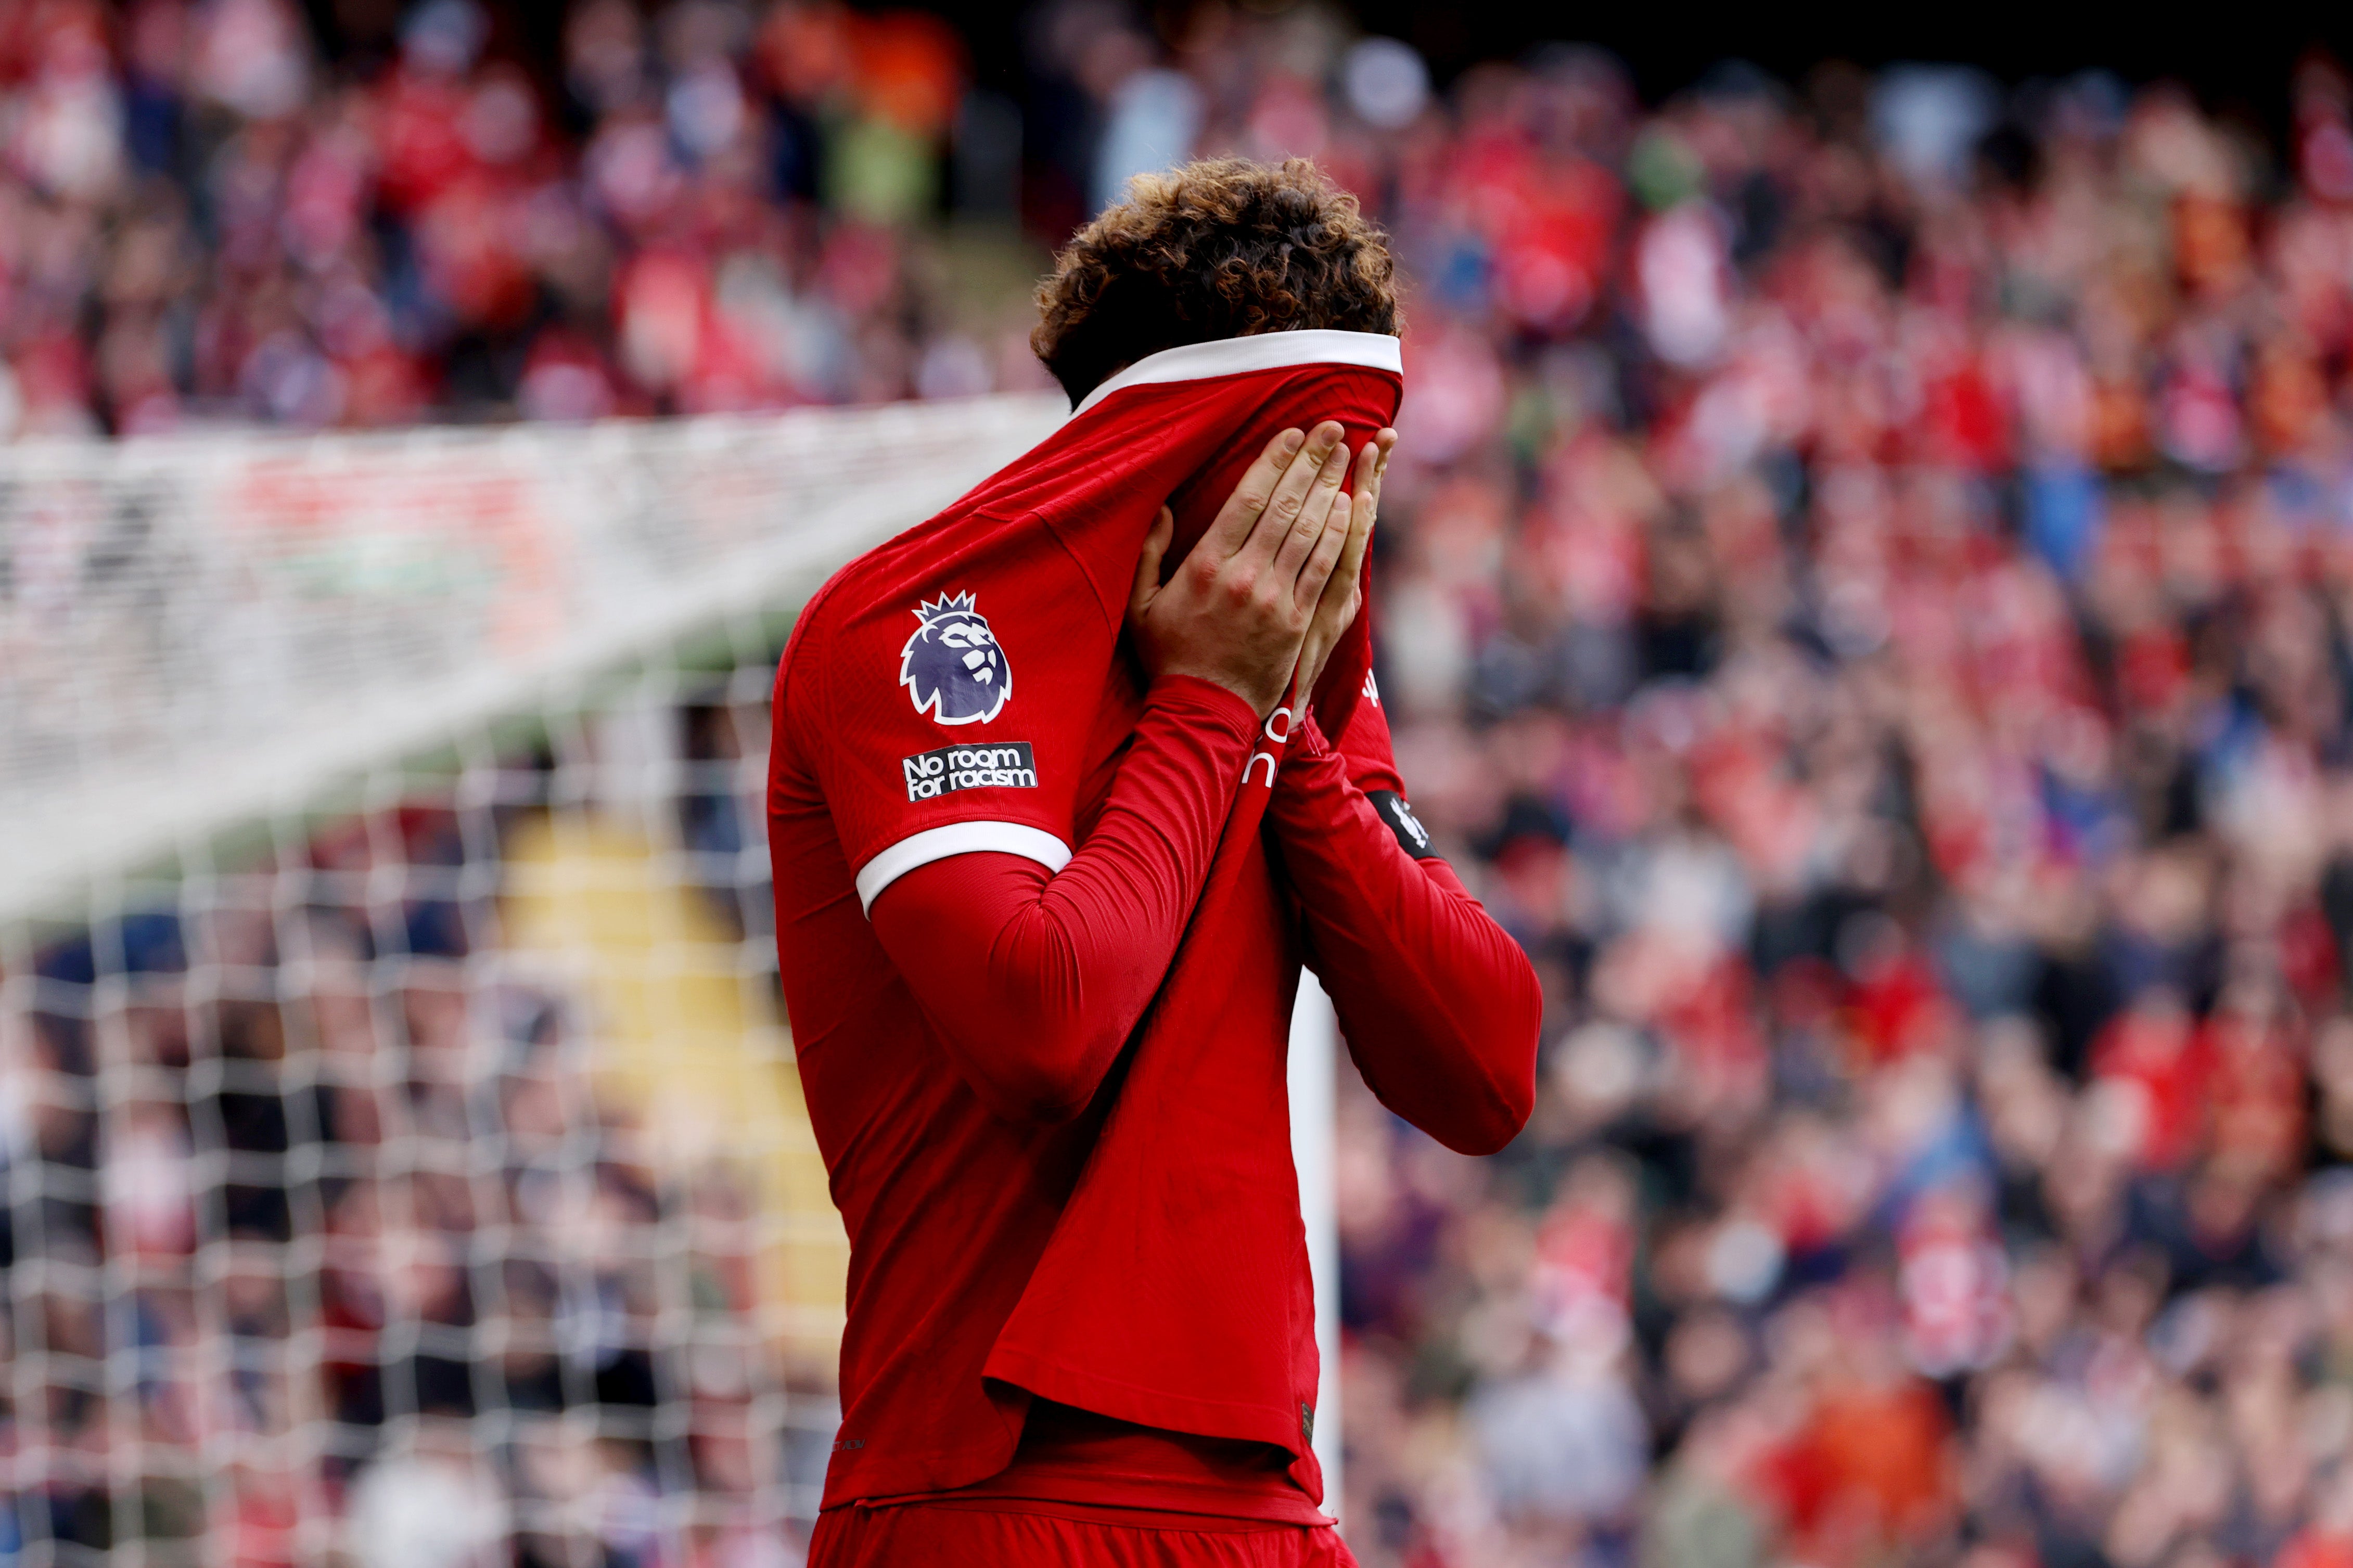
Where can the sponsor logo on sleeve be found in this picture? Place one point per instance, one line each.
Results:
(953, 667)
(1411, 835)
(1005, 764)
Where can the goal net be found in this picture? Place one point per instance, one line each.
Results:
(402, 1160)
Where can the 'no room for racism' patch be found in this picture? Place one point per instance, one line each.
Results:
(1003, 764)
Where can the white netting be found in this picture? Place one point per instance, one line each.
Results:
(197, 630)
(403, 1161)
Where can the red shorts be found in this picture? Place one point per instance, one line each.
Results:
(968, 1537)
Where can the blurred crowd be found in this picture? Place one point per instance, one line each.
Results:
(1866, 597)
(204, 218)
(327, 1238)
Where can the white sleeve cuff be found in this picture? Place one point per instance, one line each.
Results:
(958, 838)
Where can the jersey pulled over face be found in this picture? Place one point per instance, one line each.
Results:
(1168, 1287)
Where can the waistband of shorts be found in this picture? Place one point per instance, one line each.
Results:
(1153, 1518)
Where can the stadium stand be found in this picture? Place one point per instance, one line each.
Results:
(1863, 600)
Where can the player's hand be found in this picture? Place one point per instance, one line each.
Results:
(1238, 609)
(1343, 595)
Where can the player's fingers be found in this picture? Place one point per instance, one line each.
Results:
(1242, 509)
(1315, 515)
(1318, 577)
(1147, 566)
(1347, 573)
(1365, 490)
(1386, 441)
(1352, 530)
(1364, 509)
(1291, 492)
(1327, 508)
(1371, 467)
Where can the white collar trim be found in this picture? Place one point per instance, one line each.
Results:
(1266, 351)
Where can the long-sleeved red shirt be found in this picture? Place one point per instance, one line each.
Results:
(1440, 1007)
(1036, 978)
(1105, 1216)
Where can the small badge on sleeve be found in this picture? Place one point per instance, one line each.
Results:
(1411, 835)
(953, 667)
(1008, 764)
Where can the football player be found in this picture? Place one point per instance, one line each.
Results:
(1067, 784)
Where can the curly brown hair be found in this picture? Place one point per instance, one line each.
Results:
(1220, 248)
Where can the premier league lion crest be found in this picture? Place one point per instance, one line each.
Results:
(953, 666)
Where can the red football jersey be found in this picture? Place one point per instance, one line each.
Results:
(963, 688)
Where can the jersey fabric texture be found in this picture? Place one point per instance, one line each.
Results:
(1034, 980)
(961, 688)
(1440, 1007)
